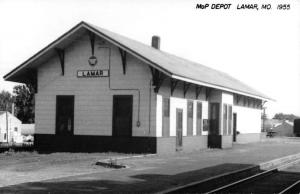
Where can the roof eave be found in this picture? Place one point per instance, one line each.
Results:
(219, 87)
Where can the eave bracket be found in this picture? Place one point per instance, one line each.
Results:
(92, 40)
(124, 59)
(157, 78)
(207, 92)
(198, 90)
(61, 56)
(173, 85)
(186, 87)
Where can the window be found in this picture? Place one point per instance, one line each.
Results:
(205, 124)
(199, 110)
(229, 119)
(190, 118)
(166, 117)
(224, 119)
(16, 129)
(199, 118)
(190, 109)
(166, 105)
(4, 136)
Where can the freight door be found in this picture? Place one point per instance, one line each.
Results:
(234, 127)
(64, 115)
(122, 115)
(214, 119)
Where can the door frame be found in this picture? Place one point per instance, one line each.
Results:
(72, 97)
(234, 132)
(114, 133)
(217, 124)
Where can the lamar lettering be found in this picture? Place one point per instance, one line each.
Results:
(92, 73)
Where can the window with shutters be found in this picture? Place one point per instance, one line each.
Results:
(166, 117)
(199, 118)
(199, 110)
(229, 119)
(224, 119)
(190, 110)
(166, 103)
(205, 124)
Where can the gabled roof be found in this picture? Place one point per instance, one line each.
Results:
(171, 65)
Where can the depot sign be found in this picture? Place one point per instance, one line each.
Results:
(93, 73)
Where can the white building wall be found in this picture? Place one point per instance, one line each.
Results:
(179, 101)
(93, 97)
(174, 104)
(204, 115)
(227, 98)
(14, 128)
(159, 113)
(248, 119)
(2, 127)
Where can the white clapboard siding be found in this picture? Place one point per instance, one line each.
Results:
(179, 101)
(248, 119)
(93, 98)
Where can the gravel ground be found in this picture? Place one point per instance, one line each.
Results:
(156, 173)
(20, 167)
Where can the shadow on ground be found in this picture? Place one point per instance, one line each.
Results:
(145, 183)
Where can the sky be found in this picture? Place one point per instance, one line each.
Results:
(259, 47)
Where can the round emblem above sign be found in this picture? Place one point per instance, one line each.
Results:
(93, 61)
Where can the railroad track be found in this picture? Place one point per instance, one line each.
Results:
(271, 181)
(268, 181)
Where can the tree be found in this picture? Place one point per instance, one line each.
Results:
(282, 116)
(24, 101)
(6, 101)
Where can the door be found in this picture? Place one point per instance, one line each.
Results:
(179, 123)
(122, 115)
(234, 127)
(214, 119)
(64, 115)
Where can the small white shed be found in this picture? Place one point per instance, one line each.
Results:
(10, 128)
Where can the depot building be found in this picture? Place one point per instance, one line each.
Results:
(96, 90)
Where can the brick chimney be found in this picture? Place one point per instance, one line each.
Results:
(155, 42)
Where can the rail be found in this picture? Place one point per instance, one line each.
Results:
(238, 182)
(254, 177)
(290, 188)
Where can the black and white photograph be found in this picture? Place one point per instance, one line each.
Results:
(137, 96)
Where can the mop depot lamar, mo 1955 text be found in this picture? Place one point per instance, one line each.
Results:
(243, 6)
